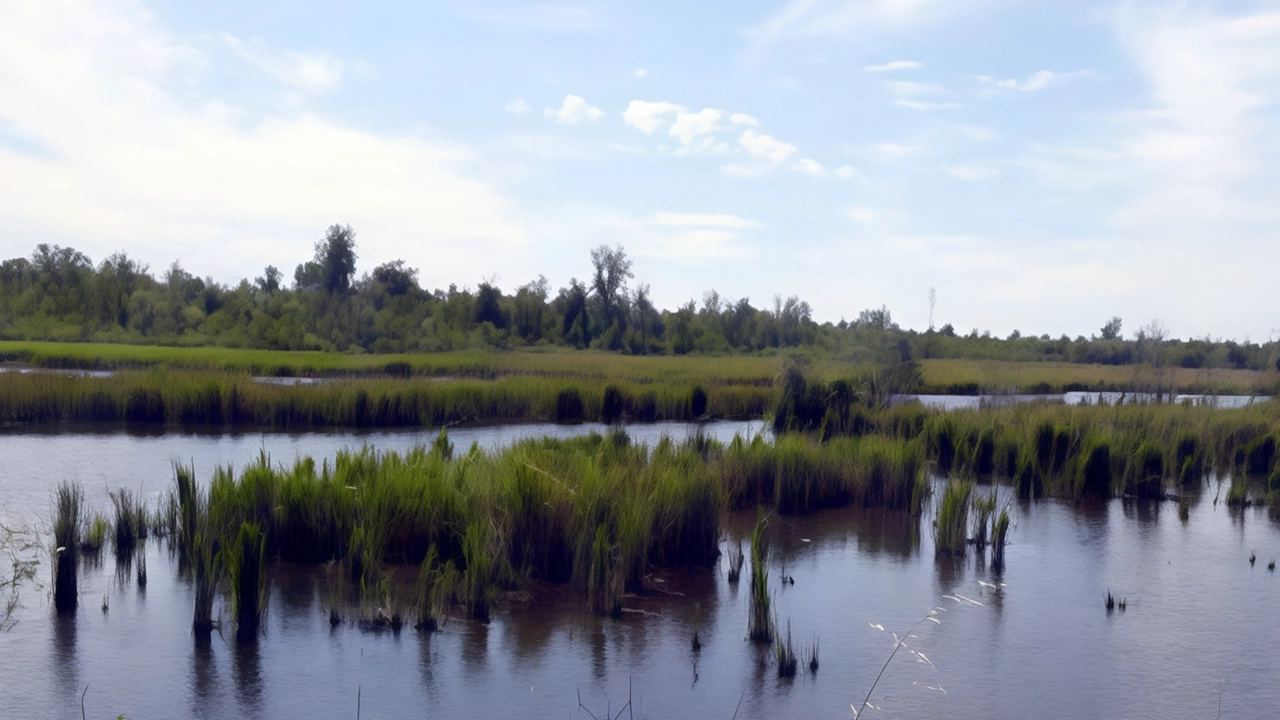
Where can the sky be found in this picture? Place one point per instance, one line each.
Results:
(1042, 166)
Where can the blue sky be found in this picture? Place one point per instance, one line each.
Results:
(1043, 165)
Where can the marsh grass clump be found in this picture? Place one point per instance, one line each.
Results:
(760, 621)
(999, 537)
(1096, 474)
(813, 655)
(69, 501)
(736, 559)
(951, 526)
(247, 574)
(784, 652)
(569, 406)
(95, 534)
(983, 509)
(130, 521)
(1145, 476)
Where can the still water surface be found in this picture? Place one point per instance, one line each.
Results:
(1200, 622)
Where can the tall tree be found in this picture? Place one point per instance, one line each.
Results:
(334, 265)
(612, 270)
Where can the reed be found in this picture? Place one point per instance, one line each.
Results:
(69, 501)
(192, 397)
(598, 512)
(246, 572)
(95, 533)
(999, 538)
(130, 521)
(736, 559)
(760, 622)
(784, 652)
(983, 509)
(951, 525)
(205, 571)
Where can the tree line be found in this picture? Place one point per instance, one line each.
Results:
(58, 293)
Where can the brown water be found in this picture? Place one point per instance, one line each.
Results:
(1199, 625)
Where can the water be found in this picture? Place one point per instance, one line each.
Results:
(1199, 620)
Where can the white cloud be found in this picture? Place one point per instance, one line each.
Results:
(972, 173)
(688, 126)
(844, 172)
(707, 145)
(720, 220)
(640, 73)
(812, 167)
(312, 72)
(766, 147)
(649, 116)
(135, 163)
(1036, 81)
(517, 106)
(573, 111)
(744, 119)
(895, 65)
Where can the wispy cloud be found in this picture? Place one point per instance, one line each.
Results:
(972, 173)
(834, 18)
(922, 105)
(894, 65)
(720, 220)
(517, 106)
(312, 72)
(1036, 81)
(809, 166)
(545, 17)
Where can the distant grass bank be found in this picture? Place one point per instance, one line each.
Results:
(964, 377)
(971, 377)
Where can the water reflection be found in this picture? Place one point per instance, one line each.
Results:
(948, 573)
(66, 665)
(204, 675)
(247, 671)
(475, 646)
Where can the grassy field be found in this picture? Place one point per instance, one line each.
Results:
(938, 376)
(973, 376)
